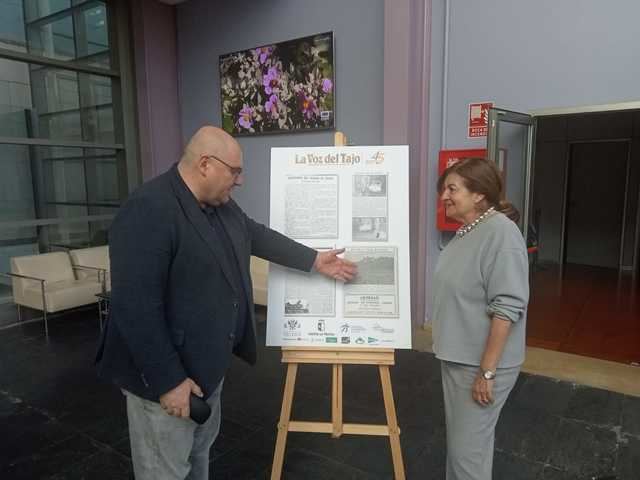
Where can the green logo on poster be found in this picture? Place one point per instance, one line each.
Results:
(331, 339)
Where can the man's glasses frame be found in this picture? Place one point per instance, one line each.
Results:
(235, 171)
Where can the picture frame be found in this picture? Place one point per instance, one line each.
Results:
(285, 87)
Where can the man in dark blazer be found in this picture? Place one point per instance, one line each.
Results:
(182, 301)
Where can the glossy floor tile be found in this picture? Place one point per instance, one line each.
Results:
(588, 311)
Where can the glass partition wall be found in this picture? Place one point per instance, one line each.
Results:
(67, 132)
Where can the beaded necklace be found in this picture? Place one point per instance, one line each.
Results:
(463, 230)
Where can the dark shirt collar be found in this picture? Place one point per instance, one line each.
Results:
(209, 210)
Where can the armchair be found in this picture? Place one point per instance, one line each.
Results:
(93, 263)
(48, 282)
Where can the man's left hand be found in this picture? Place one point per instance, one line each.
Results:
(328, 263)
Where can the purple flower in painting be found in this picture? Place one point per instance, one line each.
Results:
(308, 106)
(270, 80)
(327, 85)
(264, 53)
(245, 118)
(271, 106)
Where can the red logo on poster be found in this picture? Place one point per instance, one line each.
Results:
(479, 119)
(448, 158)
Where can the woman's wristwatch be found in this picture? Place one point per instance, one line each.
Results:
(488, 374)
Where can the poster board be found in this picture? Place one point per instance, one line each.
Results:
(334, 197)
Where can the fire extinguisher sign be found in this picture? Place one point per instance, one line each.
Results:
(478, 120)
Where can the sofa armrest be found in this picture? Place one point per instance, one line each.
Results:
(19, 275)
(102, 274)
(87, 267)
(27, 277)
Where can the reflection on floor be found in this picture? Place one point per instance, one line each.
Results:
(57, 421)
(587, 311)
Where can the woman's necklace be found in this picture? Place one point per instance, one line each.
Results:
(463, 230)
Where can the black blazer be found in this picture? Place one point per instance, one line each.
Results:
(173, 307)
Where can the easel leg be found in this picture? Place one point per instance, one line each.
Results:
(283, 425)
(336, 401)
(392, 421)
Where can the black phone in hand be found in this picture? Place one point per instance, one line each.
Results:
(199, 410)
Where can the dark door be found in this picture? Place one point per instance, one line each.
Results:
(596, 197)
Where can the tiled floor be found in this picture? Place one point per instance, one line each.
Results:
(590, 311)
(58, 421)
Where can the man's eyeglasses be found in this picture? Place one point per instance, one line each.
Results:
(235, 171)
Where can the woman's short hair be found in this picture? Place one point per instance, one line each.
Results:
(482, 176)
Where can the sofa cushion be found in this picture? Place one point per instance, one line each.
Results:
(62, 294)
(48, 266)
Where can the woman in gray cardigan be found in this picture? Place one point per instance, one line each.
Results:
(481, 291)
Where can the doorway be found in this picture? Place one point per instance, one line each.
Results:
(585, 288)
(596, 194)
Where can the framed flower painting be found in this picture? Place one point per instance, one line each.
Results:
(285, 87)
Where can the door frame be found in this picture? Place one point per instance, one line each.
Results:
(497, 115)
(601, 108)
(636, 243)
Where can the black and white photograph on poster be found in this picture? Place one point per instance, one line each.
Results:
(369, 229)
(311, 206)
(296, 306)
(308, 294)
(370, 185)
(369, 208)
(374, 290)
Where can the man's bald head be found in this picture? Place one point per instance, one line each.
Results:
(210, 140)
(211, 165)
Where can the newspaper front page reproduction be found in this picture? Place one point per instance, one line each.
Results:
(311, 208)
(374, 290)
(356, 198)
(309, 294)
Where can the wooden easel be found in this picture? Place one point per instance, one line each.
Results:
(337, 357)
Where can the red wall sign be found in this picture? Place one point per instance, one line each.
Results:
(478, 120)
(448, 158)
